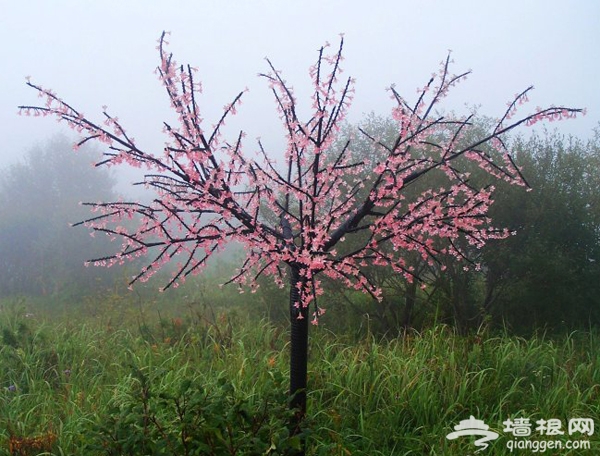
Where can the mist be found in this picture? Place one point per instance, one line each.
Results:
(97, 54)
(449, 326)
(103, 53)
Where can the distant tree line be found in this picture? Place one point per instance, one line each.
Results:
(40, 253)
(547, 275)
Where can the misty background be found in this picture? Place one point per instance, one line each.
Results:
(104, 53)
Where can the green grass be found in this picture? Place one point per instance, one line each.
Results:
(131, 384)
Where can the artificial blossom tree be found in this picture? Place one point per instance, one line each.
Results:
(294, 218)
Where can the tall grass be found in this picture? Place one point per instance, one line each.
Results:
(63, 380)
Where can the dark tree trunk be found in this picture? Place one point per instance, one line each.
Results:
(298, 359)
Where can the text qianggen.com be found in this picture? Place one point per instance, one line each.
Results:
(540, 446)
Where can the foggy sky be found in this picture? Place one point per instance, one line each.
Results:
(95, 53)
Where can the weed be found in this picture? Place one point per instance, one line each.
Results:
(217, 384)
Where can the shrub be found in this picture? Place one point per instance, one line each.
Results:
(167, 413)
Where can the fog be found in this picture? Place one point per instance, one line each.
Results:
(103, 53)
(421, 288)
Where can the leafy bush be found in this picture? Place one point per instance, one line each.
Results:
(164, 413)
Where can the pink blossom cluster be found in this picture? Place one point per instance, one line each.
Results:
(329, 210)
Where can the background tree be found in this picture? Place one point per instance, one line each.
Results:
(542, 277)
(39, 253)
(547, 274)
(451, 296)
(209, 192)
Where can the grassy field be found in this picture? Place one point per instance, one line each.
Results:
(110, 383)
